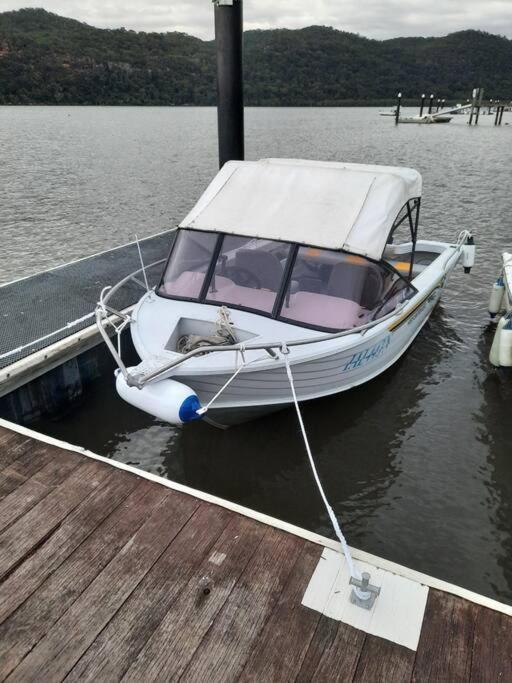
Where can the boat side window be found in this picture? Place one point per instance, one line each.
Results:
(188, 264)
(334, 290)
(249, 273)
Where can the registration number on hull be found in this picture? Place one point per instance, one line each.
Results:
(361, 358)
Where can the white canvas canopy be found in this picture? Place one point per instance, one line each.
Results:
(323, 204)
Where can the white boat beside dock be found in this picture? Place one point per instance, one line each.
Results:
(500, 304)
(283, 269)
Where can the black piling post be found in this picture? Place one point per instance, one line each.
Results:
(230, 99)
(443, 103)
(490, 108)
(501, 114)
(430, 104)
(398, 105)
(422, 105)
(438, 105)
(497, 112)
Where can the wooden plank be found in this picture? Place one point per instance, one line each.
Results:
(23, 468)
(172, 646)
(70, 534)
(333, 652)
(13, 446)
(8, 438)
(226, 647)
(29, 531)
(28, 494)
(382, 660)
(446, 641)
(36, 616)
(492, 648)
(56, 654)
(284, 641)
(165, 589)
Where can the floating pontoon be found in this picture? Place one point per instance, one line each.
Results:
(283, 263)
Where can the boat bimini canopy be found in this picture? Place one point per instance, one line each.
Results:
(352, 207)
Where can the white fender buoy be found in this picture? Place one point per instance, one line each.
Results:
(494, 355)
(505, 350)
(496, 299)
(166, 399)
(468, 254)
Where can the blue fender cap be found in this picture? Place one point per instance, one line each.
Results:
(189, 408)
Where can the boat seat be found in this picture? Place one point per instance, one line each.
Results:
(356, 282)
(264, 265)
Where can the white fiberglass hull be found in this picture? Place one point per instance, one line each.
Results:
(320, 369)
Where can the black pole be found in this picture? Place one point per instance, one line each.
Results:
(398, 104)
(490, 108)
(438, 104)
(422, 105)
(430, 104)
(230, 97)
(497, 113)
(501, 114)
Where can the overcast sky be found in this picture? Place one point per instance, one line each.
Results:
(372, 18)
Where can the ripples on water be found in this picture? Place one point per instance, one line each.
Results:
(418, 462)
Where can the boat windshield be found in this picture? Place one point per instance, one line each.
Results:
(249, 273)
(317, 288)
(335, 291)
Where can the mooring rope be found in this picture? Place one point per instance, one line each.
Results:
(354, 572)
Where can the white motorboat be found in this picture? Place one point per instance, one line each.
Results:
(426, 118)
(500, 304)
(392, 112)
(282, 265)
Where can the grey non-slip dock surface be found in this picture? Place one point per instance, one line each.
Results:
(44, 303)
(105, 576)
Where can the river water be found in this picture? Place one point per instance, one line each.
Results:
(417, 463)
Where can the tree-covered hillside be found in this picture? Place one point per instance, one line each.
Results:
(47, 59)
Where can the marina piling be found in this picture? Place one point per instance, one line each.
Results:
(398, 106)
(422, 105)
(431, 104)
(230, 101)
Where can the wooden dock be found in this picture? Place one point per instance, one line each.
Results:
(106, 575)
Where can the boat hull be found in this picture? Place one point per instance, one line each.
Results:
(255, 393)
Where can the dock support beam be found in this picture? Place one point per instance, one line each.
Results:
(230, 99)
(430, 104)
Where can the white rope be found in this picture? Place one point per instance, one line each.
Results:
(13, 352)
(205, 409)
(354, 572)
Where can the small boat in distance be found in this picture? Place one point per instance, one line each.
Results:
(426, 118)
(283, 266)
(392, 112)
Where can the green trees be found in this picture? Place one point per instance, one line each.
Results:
(47, 59)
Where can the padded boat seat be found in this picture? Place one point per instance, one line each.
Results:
(264, 265)
(322, 310)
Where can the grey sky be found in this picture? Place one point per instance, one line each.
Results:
(372, 18)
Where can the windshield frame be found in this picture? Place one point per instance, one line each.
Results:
(275, 314)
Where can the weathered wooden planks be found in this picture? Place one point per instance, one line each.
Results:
(446, 642)
(284, 641)
(382, 660)
(105, 576)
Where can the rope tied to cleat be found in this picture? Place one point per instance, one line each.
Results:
(363, 594)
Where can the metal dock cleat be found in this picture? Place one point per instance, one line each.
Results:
(366, 595)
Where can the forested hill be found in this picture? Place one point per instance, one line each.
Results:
(47, 59)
